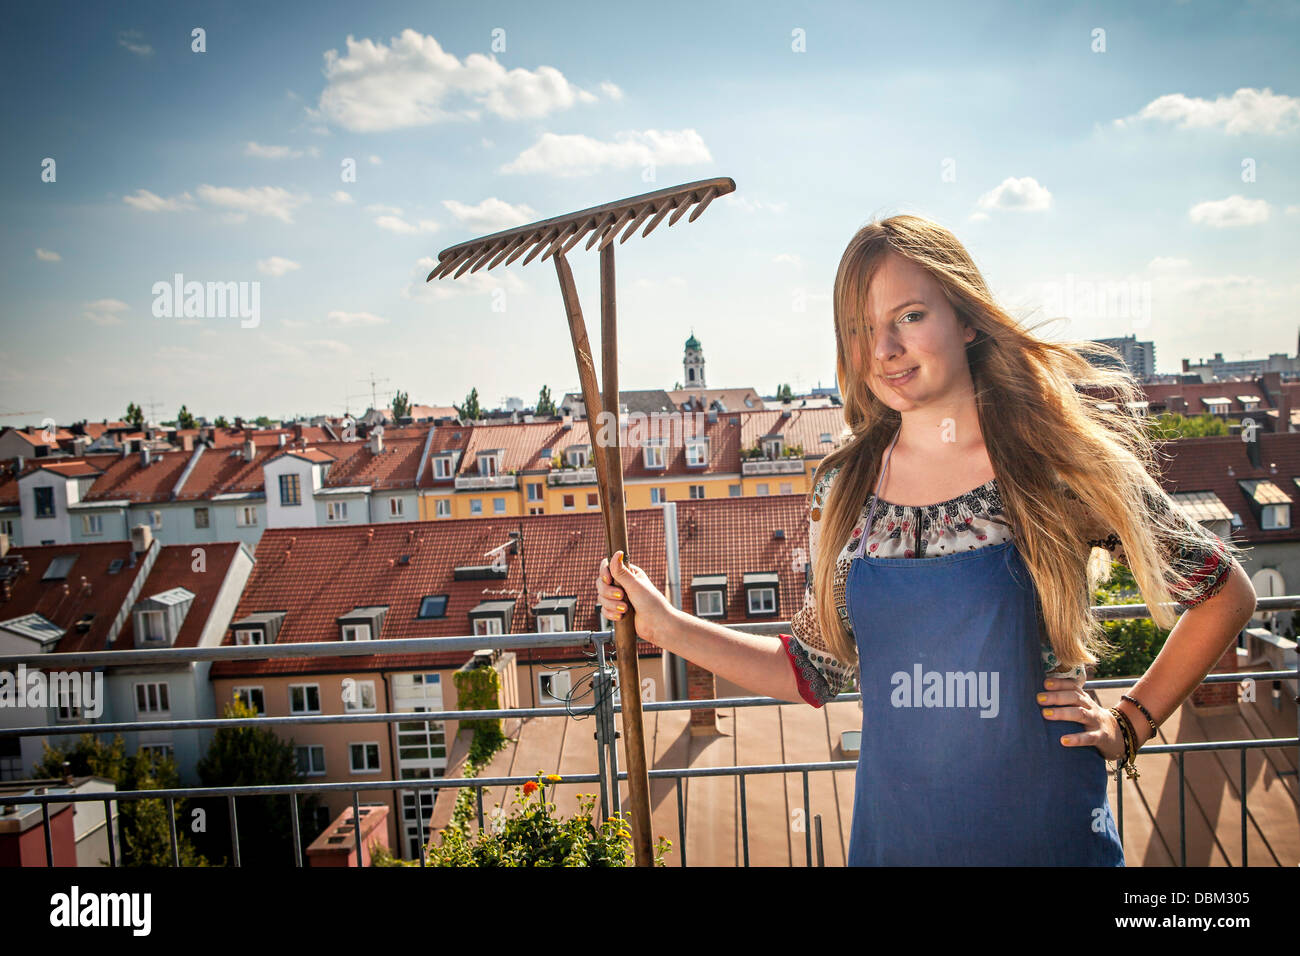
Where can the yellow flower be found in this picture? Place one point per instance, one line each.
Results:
(554, 777)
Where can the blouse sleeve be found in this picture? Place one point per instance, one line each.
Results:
(819, 675)
(1201, 568)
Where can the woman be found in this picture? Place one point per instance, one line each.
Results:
(957, 593)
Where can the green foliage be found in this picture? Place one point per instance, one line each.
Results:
(142, 824)
(531, 834)
(401, 405)
(479, 688)
(184, 419)
(783, 392)
(221, 422)
(249, 757)
(1136, 642)
(545, 404)
(470, 411)
(1171, 425)
(262, 421)
(134, 415)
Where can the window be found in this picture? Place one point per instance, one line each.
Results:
(568, 502)
(7, 527)
(358, 696)
(658, 496)
(487, 625)
(252, 696)
(44, 502)
(152, 625)
(311, 760)
(336, 511)
(246, 516)
(356, 632)
(158, 752)
(578, 457)
(433, 605)
(1274, 517)
(825, 438)
(155, 519)
(67, 709)
(290, 490)
(251, 635)
(593, 499)
(92, 524)
(762, 600)
(654, 456)
(395, 507)
(498, 506)
(200, 517)
(773, 447)
(487, 464)
(761, 489)
(365, 758)
(536, 510)
(151, 698)
(442, 508)
(695, 453)
(476, 506)
(549, 623)
(734, 491)
(697, 491)
(442, 467)
(708, 603)
(787, 488)
(534, 491)
(304, 698)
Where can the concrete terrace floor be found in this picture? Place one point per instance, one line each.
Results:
(799, 733)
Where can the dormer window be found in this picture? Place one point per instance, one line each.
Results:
(653, 453)
(442, 466)
(710, 594)
(158, 619)
(697, 453)
(487, 464)
(554, 614)
(260, 628)
(356, 632)
(362, 623)
(773, 447)
(577, 456)
(761, 590)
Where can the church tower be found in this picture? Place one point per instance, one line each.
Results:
(693, 364)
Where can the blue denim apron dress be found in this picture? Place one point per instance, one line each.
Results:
(958, 766)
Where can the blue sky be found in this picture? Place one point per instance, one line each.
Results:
(1148, 146)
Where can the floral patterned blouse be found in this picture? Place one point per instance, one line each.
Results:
(973, 520)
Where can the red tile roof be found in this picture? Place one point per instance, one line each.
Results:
(316, 575)
(125, 478)
(174, 568)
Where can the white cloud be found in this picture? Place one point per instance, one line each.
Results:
(611, 91)
(104, 311)
(1247, 111)
(45, 255)
(491, 215)
(271, 152)
(276, 266)
(328, 345)
(148, 202)
(1025, 194)
(375, 160)
(380, 207)
(745, 204)
(579, 155)
(342, 196)
(133, 40)
(401, 226)
(471, 283)
(787, 258)
(270, 201)
(1229, 213)
(414, 82)
(354, 318)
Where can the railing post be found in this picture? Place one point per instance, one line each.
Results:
(602, 683)
(171, 829)
(112, 848)
(234, 830)
(297, 829)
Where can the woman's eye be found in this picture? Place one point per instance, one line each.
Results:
(917, 314)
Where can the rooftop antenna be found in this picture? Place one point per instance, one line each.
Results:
(553, 238)
(374, 400)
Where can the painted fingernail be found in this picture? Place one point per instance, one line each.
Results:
(1042, 698)
(1066, 741)
(622, 607)
(1048, 713)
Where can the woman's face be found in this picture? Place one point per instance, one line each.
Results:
(909, 327)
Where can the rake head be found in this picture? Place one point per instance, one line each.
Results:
(561, 233)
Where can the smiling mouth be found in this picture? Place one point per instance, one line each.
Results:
(900, 375)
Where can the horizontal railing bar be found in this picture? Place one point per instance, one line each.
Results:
(457, 782)
(435, 645)
(204, 723)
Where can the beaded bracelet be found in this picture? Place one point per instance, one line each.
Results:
(1145, 713)
(1130, 744)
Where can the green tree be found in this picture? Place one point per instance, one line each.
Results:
(249, 757)
(401, 405)
(221, 422)
(142, 824)
(1171, 425)
(470, 411)
(545, 404)
(184, 419)
(261, 421)
(783, 392)
(1136, 641)
(134, 415)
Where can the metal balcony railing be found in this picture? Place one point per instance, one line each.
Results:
(604, 708)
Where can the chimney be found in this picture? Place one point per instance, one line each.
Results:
(377, 440)
(282, 436)
(144, 456)
(79, 445)
(18, 465)
(250, 450)
(141, 538)
(187, 442)
(297, 431)
(239, 423)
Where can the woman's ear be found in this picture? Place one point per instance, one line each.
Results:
(969, 333)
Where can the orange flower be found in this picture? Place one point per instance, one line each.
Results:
(529, 787)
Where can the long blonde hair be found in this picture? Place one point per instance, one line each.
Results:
(1057, 453)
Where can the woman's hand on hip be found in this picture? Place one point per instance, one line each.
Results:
(1065, 699)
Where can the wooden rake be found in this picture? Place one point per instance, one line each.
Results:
(555, 237)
